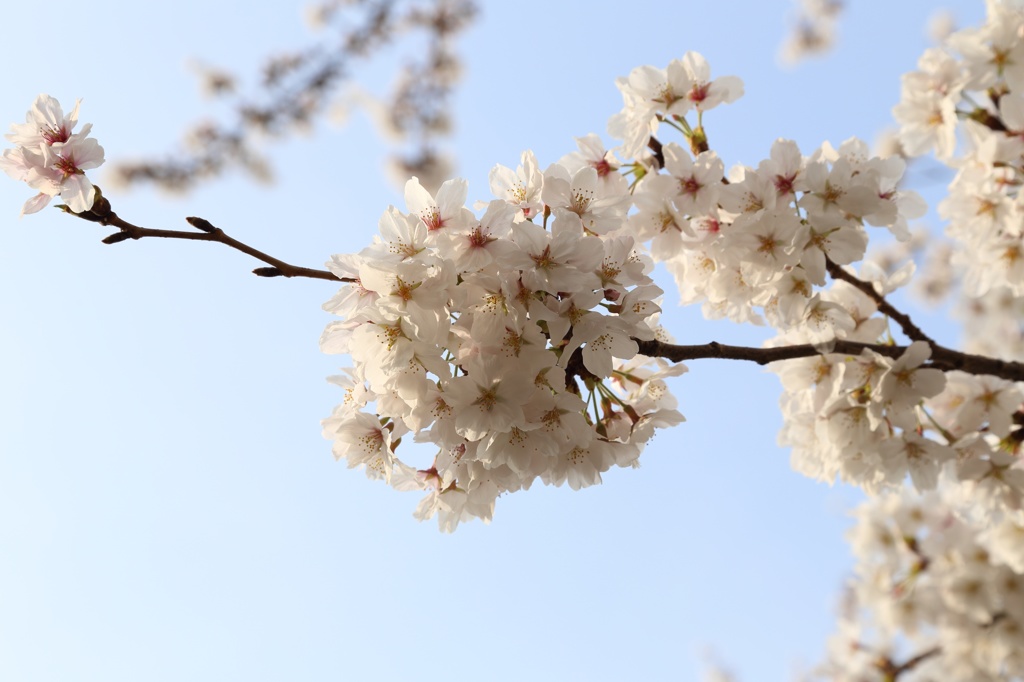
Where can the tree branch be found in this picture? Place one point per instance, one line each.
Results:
(891, 671)
(654, 144)
(101, 213)
(917, 660)
(912, 331)
(944, 359)
(298, 87)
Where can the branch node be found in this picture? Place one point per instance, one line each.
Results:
(268, 272)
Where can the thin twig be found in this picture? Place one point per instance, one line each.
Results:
(944, 359)
(912, 331)
(917, 660)
(101, 213)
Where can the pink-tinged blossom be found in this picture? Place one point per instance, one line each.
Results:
(658, 218)
(520, 188)
(45, 124)
(600, 211)
(704, 93)
(414, 291)
(449, 504)
(698, 181)
(593, 154)
(748, 191)
(401, 237)
(63, 173)
(353, 297)
(663, 90)
(488, 305)
(649, 92)
(51, 158)
(474, 334)
(360, 440)
(785, 169)
(485, 243)
(563, 259)
(447, 210)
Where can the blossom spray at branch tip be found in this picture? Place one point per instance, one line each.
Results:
(99, 212)
(52, 159)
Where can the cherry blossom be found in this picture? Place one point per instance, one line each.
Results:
(509, 340)
(51, 158)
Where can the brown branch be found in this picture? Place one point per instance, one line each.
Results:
(912, 663)
(944, 359)
(101, 213)
(298, 87)
(575, 368)
(989, 120)
(654, 144)
(912, 331)
(891, 671)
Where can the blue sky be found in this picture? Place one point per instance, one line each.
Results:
(168, 509)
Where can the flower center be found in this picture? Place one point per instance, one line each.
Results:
(67, 166)
(54, 135)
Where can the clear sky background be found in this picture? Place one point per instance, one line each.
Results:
(168, 509)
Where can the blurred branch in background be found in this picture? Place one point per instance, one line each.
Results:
(813, 30)
(297, 88)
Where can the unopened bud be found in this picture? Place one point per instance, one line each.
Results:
(204, 225)
(116, 237)
(100, 204)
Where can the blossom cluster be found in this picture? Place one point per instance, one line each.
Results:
(461, 328)
(498, 346)
(510, 347)
(51, 158)
(974, 84)
(775, 244)
(840, 417)
(940, 575)
(755, 243)
(933, 590)
(510, 344)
